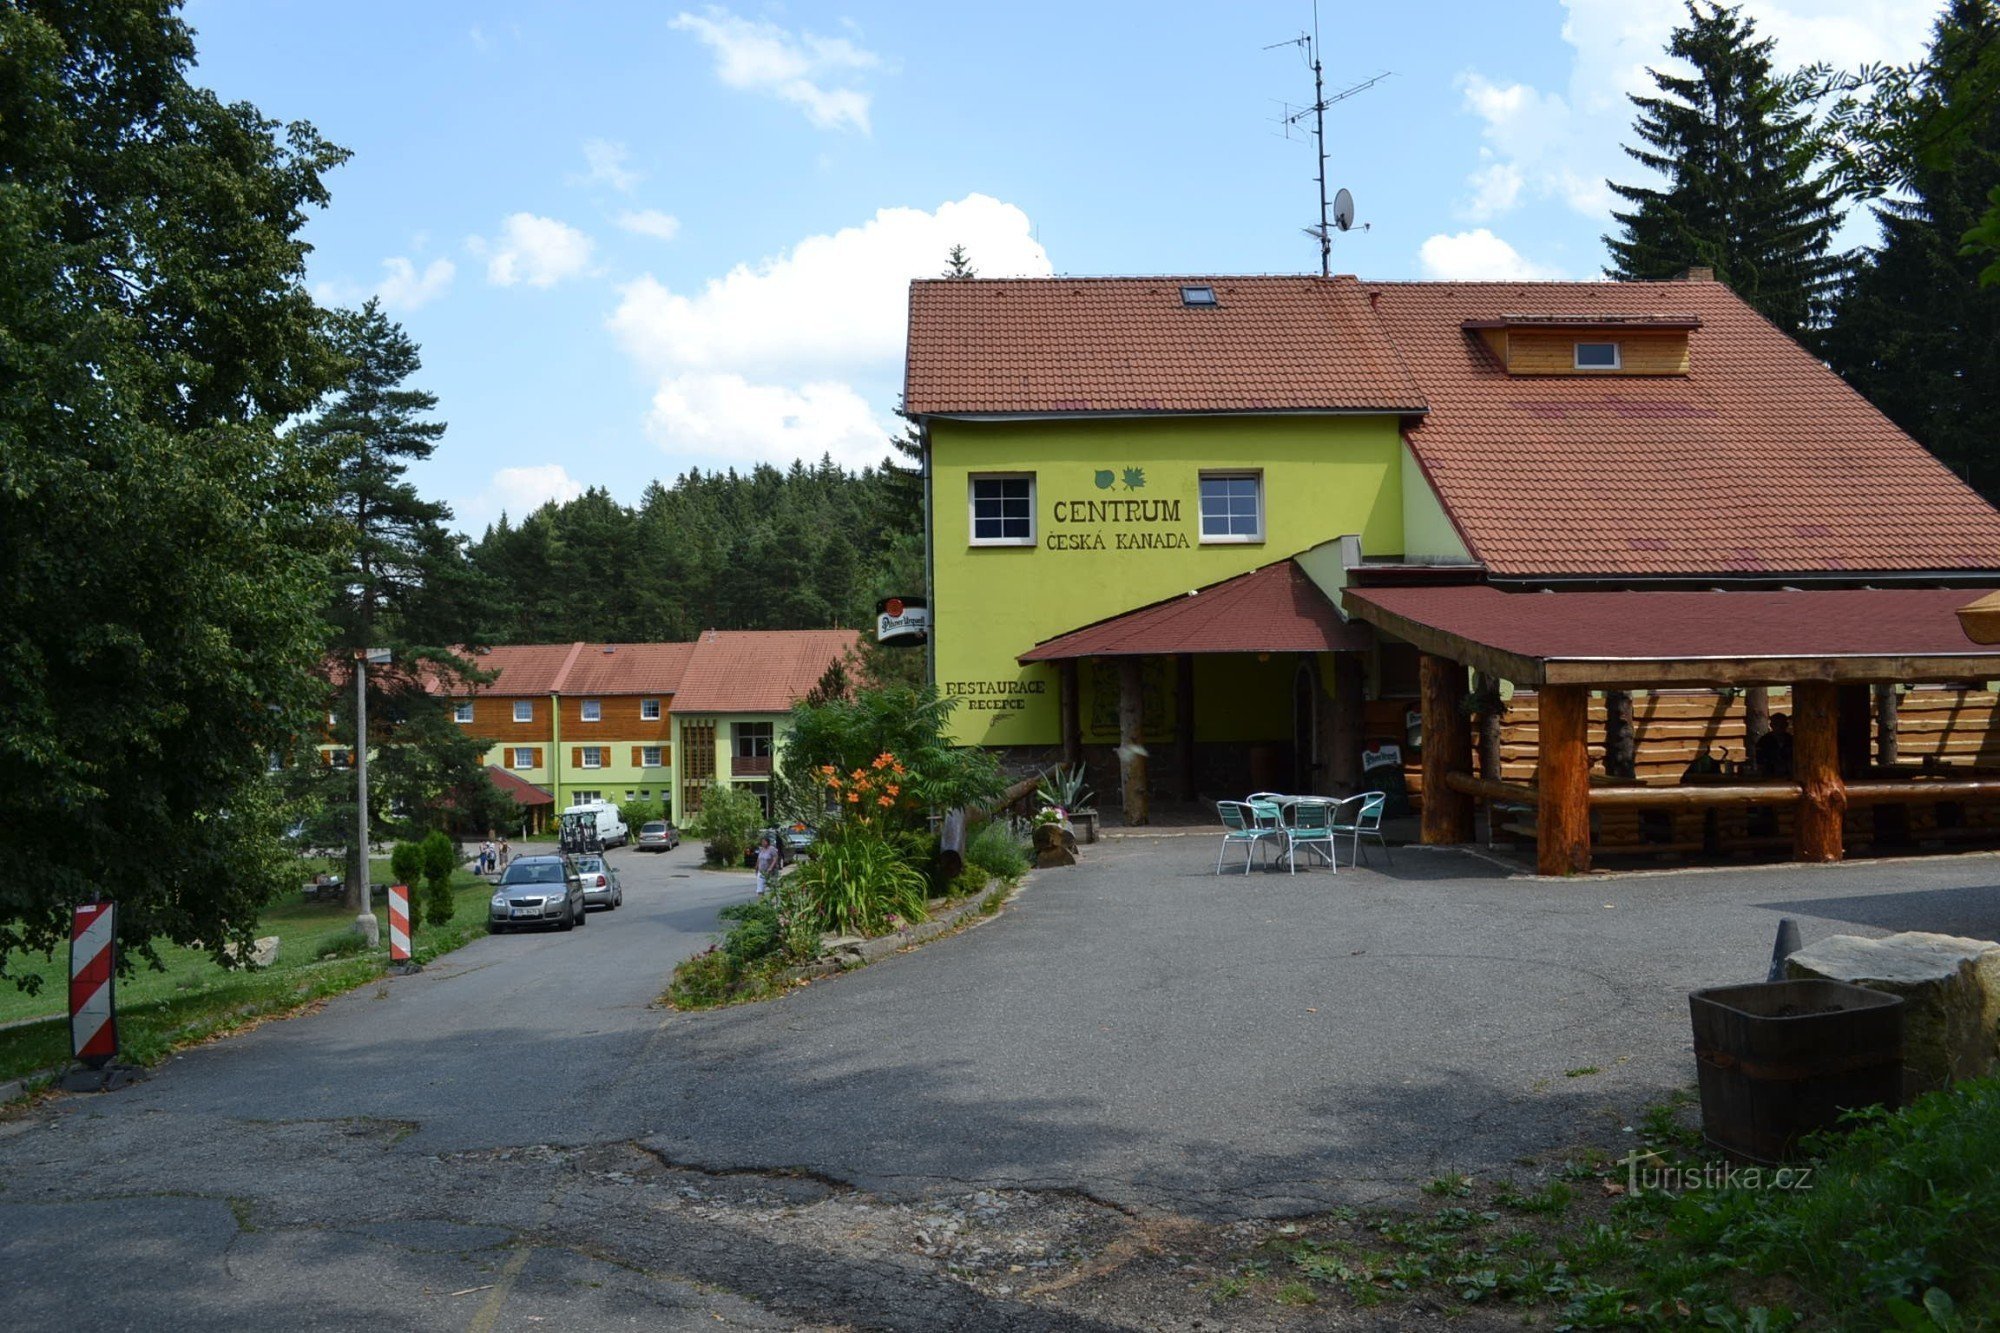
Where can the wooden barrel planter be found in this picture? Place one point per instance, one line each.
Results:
(1779, 1060)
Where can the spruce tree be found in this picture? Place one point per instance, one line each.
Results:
(1914, 330)
(400, 582)
(1742, 191)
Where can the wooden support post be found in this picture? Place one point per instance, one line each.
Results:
(1816, 764)
(1756, 721)
(1184, 725)
(1344, 763)
(1132, 740)
(1854, 708)
(1447, 814)
(1887, 704)
(1071, 709)
(1486, 688)
(1621, 739)
(1562, 774)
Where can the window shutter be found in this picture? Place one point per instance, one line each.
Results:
(535, 757)
(638, 756)
(666, 755)
(575, 758)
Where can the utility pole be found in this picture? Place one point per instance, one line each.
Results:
(361, 660)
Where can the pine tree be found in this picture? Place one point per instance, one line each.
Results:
(401, 582)
(1742, 191)
(958, 264)
(1914, 330)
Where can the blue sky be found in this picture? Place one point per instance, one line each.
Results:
(635, 238)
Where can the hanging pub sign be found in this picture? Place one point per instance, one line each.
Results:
(904, 621)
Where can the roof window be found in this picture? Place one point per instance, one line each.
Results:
(1198, 296)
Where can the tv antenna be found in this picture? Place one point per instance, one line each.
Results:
(1341, 213)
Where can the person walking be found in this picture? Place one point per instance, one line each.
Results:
(486, 858)
(504, 854)
(767, 865)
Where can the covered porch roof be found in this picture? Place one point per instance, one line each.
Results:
(1635, 639)
(523, 791)
(1275, 609)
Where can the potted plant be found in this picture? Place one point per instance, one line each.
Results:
(1063, 790)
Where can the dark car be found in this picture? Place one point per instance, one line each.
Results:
(657, 836)
(797, 839)
(538, 891)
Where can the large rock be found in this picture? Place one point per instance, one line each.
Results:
(1055, 845)
(1951, 997)
(262, 954)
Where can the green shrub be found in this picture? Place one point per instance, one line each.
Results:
(440, 862)
(998, 850)
(704, 980)
(406, 864)
(857, 882)
(344, 945)
(638, 813)
(971, 880)
(729, 821)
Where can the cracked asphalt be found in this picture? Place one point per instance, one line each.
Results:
(1039, 1123)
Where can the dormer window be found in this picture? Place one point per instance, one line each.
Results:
(1597, 356)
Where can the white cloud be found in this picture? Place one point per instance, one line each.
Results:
(1478, 254)
(650, 222)
(538, 251)
(758, 56)
(761, 363)
(1563, 144)
(523, 490)
(403, 288)
(607, 165)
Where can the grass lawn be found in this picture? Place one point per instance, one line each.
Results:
(193, 999)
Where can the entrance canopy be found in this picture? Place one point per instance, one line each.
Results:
(1275, 609)
(1629, 639)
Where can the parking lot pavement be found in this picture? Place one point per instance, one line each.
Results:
(516, 1135)
(1156, 1035)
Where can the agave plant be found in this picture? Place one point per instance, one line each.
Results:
(1064, 788)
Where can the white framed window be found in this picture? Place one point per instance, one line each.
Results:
(524, 710)
(1597, 356)
(593, 756)
(585, 797)
(650, 756)
(593, 711)
(1003, 509)
(1232, 506)
(524, 757)
(462, 712)
(649, 710)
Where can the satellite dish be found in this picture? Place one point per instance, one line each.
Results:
(1343, 210)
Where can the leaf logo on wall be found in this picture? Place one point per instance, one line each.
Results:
(1104, 479)
(1135, 478)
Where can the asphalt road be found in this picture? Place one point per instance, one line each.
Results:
(516, 1138)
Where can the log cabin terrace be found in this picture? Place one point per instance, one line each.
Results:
(1564, 549)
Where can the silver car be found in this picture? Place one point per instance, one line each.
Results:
(600, 882)
(538, 891)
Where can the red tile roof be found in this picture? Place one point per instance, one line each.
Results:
(1040, 346)
(1759, 460)
(523, 791)
(1275, 609)
(1812, 626)
(627, 668)
(757, 671)
(584, 668)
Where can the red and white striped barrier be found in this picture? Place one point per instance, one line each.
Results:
(399, 923)
(93, 1020)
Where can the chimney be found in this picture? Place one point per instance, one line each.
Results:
(1697, 273)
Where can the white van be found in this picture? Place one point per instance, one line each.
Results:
(611, 830)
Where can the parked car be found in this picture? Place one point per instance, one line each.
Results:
(797, 839)
(611, 829)
(538, 891)
(600, 883)
(657, 836)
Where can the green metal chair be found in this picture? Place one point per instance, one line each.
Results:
(1366, 822)
(1240, 827)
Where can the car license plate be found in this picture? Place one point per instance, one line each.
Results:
(525, 911)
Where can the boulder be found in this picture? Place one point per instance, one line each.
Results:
(1055, 845)
(262, 954)
(1951, 997)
